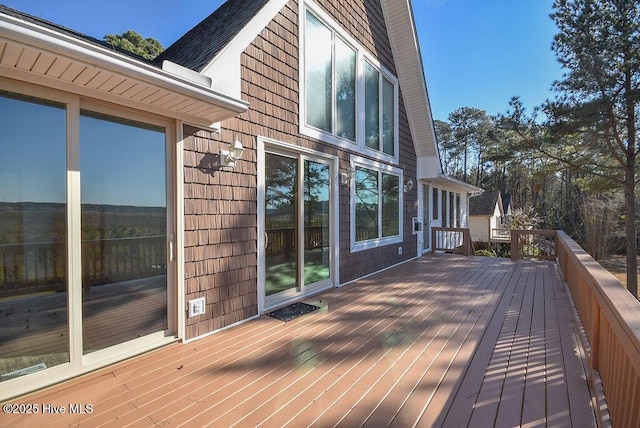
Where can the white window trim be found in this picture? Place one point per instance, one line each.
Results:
(361, 56)
(380, 241)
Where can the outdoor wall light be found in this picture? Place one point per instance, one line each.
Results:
(345, 177)
(408, 186)
(229, 157)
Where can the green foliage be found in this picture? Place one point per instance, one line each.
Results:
(486, 253)
(131, 41)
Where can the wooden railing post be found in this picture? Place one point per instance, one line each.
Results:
(515, 247)
(434, 232)
(595, 335)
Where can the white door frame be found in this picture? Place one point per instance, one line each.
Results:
(273, 146)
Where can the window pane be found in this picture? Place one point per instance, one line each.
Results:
(436, 204)
(426, 229)
(388, 122)
(390, 205)
(34, 332)
(452, 208)
(281, 223)
(366, 204)
(371, 107)
(123, 230)
(316, 222)
(443, 206)
(346, 91)
(318, 45)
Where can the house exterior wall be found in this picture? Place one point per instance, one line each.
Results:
(479, 227)
(219, 233)
(221, 206)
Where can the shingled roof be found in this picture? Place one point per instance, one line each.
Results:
(202, 43)
(484, 204)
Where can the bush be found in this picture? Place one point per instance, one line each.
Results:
(486, 253)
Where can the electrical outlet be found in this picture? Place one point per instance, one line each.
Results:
(197, 307)
(400, 251)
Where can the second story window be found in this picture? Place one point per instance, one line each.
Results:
(330, 81)
(347, 97)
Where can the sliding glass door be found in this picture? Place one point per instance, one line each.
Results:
(85, 225)
(281, 224)
(34, 281)
(124, 230)
(297, 222)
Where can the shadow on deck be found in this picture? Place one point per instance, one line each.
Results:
(443, 340)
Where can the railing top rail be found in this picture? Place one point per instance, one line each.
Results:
(450, 229)
(544, 232)
(617, 303)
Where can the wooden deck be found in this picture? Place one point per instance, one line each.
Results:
(444, 340)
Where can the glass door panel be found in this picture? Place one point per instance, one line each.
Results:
(124, 230)
(34, 331)
(281, 218)
(316, 222)
(426, 219)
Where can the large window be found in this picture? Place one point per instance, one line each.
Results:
(348, 98)
(376, 207)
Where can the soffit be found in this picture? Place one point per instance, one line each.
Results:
(43, 56)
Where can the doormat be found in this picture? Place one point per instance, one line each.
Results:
(293, 311)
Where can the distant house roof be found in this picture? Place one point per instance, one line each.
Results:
(201, 44)
(485, 203)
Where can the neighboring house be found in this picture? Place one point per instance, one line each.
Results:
(485, 214)
(166, 200)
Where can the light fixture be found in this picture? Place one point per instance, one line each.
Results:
(408, 186)
(229, 157)
(345, 177)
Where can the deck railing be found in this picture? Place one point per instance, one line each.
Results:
(283, 240)
(500, 234)
(608, 313)
(452, 239)
(39, 267)
(610, 316)
(533, 244)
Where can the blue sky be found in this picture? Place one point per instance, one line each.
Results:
(476, 53)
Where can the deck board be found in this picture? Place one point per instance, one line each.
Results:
(443, 340)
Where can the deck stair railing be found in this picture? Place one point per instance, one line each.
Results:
(452, 239)
(500, 234)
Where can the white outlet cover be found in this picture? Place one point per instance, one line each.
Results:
(197, 307)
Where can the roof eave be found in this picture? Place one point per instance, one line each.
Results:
(408, 58)
(194, 102)
(444, 180)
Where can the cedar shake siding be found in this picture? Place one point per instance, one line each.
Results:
(221, 205)
(220, 234)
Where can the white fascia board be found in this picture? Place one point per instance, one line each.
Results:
(74, 48)
(401, 26)
(224, 69)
